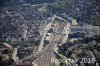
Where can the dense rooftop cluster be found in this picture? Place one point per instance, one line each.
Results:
(15, 19)
(22, 27)
(83, 10)
(84, 48)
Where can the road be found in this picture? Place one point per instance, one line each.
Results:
(40, 49)
(45, 32)
(43, 57)
(16, 59)
(44, 60)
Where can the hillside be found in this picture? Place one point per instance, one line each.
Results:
(5, 2)
(39, 1)
(83, 10)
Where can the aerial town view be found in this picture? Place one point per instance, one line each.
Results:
(49, 32)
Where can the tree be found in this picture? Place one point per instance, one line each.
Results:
(37, 42)
(5, 2)
(46, 42)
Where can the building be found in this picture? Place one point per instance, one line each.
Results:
(72, 21)
(8, 46)
(48, 35)
(77, 35)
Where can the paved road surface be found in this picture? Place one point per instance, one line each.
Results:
(44, 35)
(45, 59)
